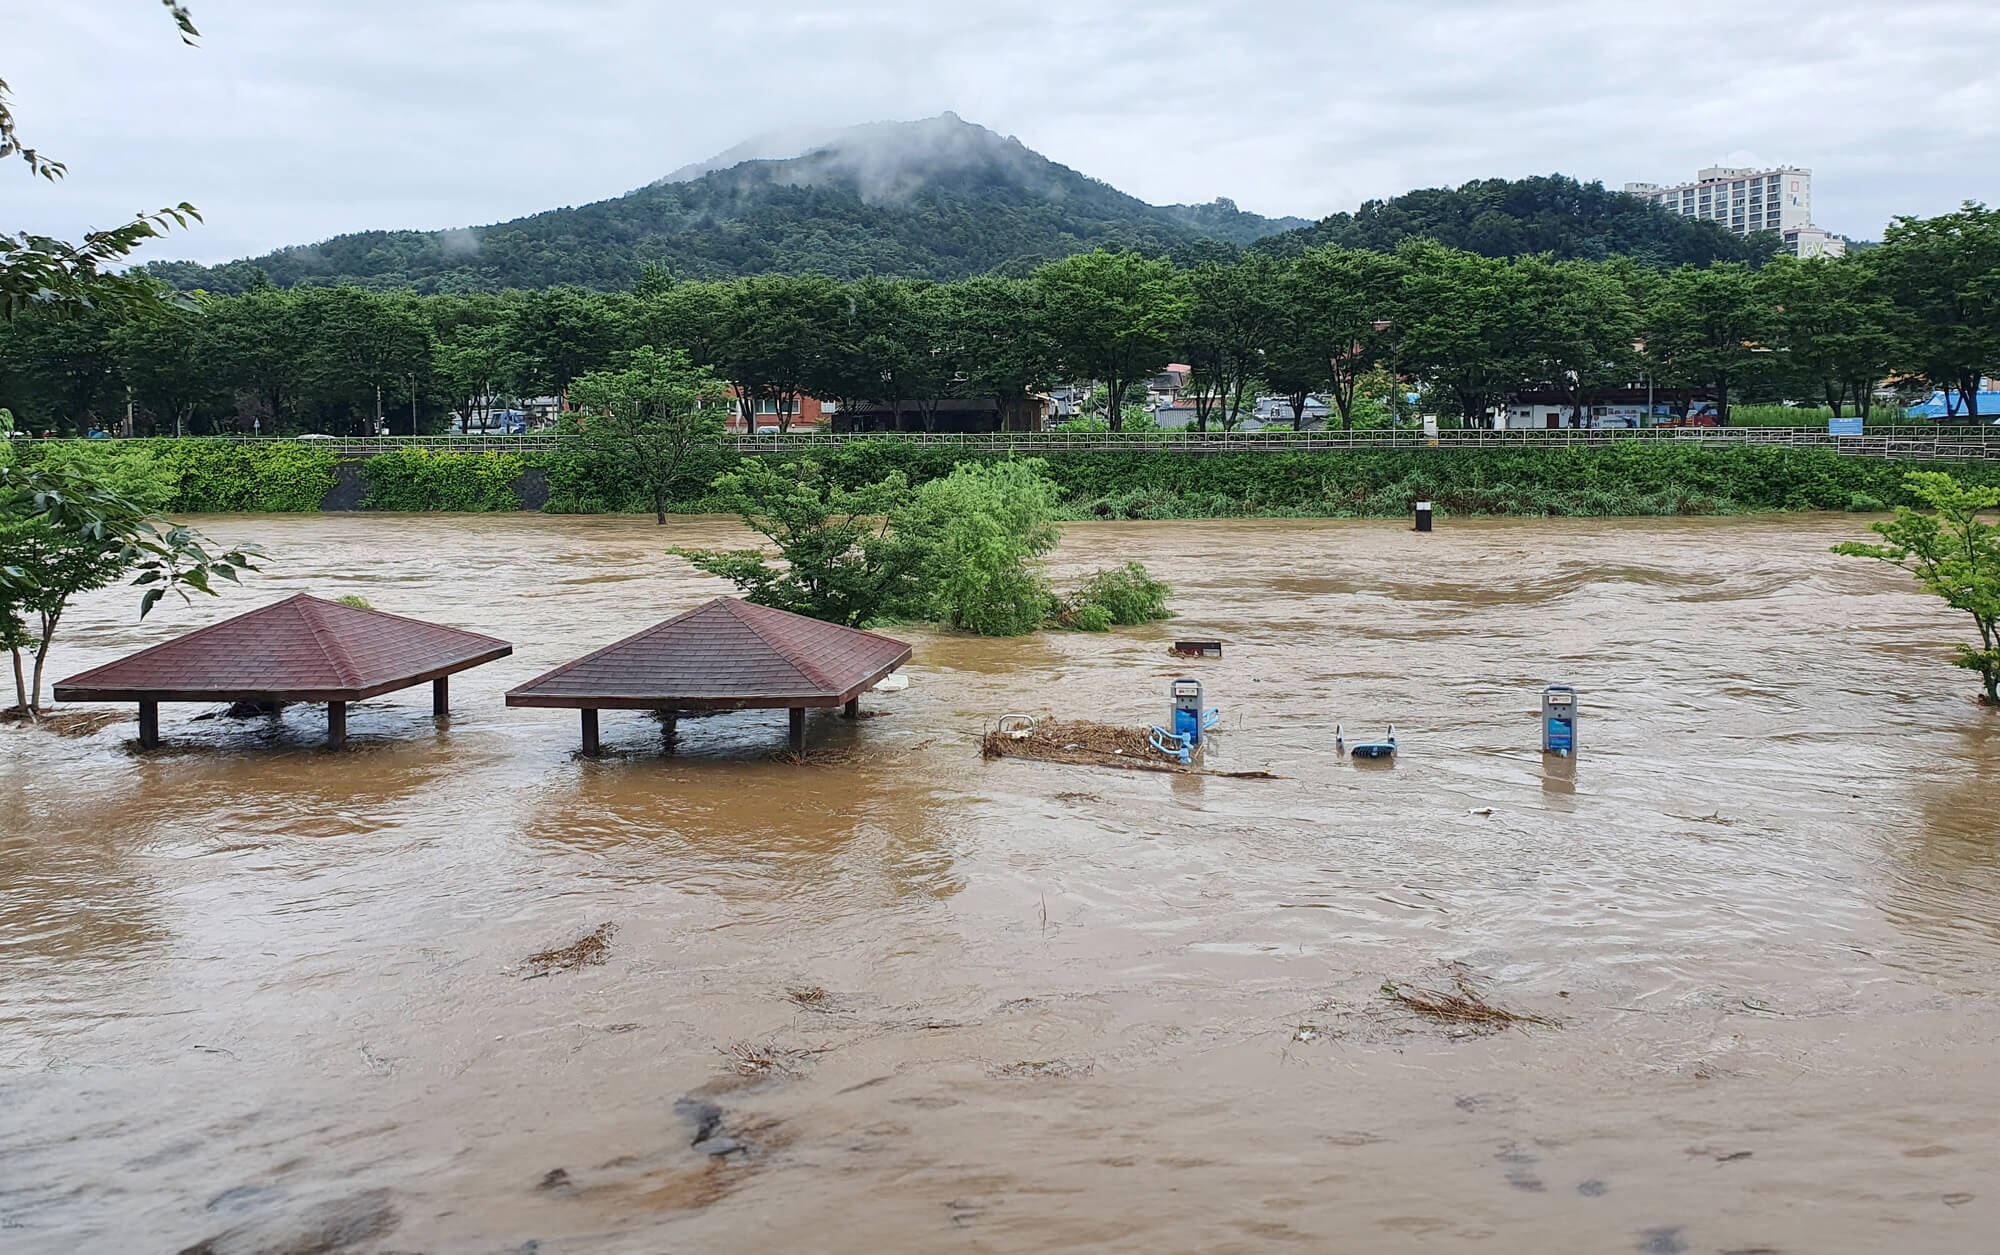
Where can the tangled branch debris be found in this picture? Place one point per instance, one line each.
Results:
(585, 951)
(768, 1058)
(1465, 1007)
(1042, 1068)
(1089, 744)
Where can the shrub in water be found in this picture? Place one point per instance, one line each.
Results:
(1120, 596)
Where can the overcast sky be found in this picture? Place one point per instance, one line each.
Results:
(299, 119)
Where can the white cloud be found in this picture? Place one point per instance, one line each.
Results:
(301, 120)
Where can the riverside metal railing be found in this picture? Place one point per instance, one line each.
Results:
(1901, 440)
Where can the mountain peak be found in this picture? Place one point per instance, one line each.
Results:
(937, 198)
(885, 162)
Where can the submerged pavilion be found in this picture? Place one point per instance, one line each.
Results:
(723, 655)
(302, 649)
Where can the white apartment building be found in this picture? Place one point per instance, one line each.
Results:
(1743, 200)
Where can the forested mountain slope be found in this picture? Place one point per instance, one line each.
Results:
(937, 199)
(1545, 214)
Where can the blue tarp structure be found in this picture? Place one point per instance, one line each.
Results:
(1934, 407)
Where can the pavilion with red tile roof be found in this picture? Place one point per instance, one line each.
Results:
(302, 649)
(723, 655)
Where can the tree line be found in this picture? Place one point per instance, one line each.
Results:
(1463, 330)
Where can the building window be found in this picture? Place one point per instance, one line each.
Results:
(771, 406)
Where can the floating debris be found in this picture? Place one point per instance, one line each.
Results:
(1043, 1068)
(586, 951)
(1087, 744)
(768, 1059)
(812, 998)
(1466, 1007)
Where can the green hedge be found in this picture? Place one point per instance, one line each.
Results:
(200, 477)
(1617, 479)
(417, 479)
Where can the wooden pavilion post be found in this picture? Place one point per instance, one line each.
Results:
(799, 730)
(853, 708)
(336, 725)
(149, 725)
(441, 697)
(589, 732)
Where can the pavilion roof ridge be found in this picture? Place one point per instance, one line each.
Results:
(308, 608)
(741, 610)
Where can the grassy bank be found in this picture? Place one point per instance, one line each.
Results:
(199, 477)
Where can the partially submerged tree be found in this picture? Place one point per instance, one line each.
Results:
(652, 420)
(62, 534)
(966, 550)
(983, 531)
(1954, 555)
(839, 562)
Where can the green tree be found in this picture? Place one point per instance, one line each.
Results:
(472, 364)
(259, 345)
(368, 350)
(839, 562)
(1580, 327)
(1460, 327)
(1954, 555)
(1337, 323)
(983, 531)
(1112, 316)
(62, 533)
(1232, 317)
(651, 421)
(1002, 336)
(1833, 326)
(1944, 273)
(163, 360)
(57, 566)
(773, 337)
(60, 367)
(1709, 328)
(560, 333)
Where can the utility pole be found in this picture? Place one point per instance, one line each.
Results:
(413, 405)
(378, 407)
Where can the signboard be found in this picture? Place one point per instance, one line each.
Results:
(1843, 426)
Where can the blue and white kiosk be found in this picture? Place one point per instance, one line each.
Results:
(1559, 720)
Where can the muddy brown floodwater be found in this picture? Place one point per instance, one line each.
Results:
(257, 996)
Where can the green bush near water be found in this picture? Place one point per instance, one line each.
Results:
(1624, 479)
(199, 476)
(418, 479)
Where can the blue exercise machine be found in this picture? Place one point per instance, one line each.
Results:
(1189, 721)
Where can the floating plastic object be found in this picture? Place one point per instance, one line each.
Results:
(893, 684)
(1019, 727)
(1196, 649)
(1385, 748)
